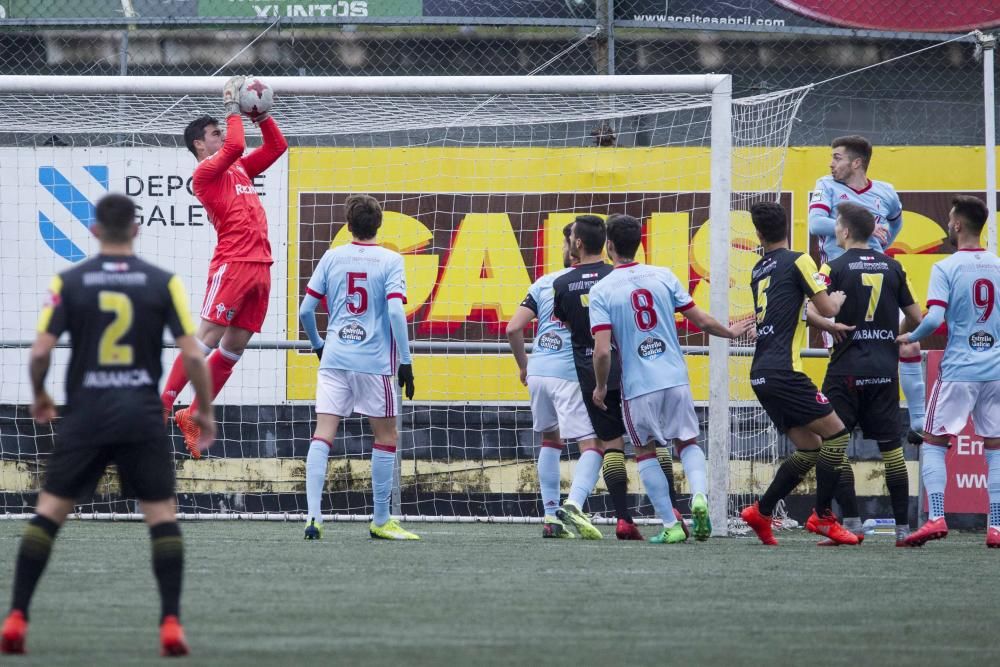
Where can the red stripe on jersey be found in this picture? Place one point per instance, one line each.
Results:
(384, 448)
(822, 206)
(361, 243)
(600, 327)
(936, 302)
(313, 293)
(396, 295)
(970, 250)
(625, 266)
(687, 306)
(868, 186)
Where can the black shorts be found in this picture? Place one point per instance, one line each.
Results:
(871, 403)
(608, 424)
(789, 398)
(145, 468)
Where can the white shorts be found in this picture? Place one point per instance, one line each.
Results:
(951, 403)
(340, 392)
(663, 415)
(557, 403)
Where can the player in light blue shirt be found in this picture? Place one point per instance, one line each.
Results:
(557, 408)
(848, 182)
(364, 286)
(964, 291)
(634, 307)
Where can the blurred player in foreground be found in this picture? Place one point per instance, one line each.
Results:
(965, 290)
(634, 306)
(366, 346)
(115, 307)
(239, 282)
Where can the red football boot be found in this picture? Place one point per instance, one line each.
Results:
(935, 529)
(687, 531)
(760, 524)
(14, 633)
(828, 526)
(172, 642)
(831, 543)
(993, 537)
(190, 430)
(628, 531)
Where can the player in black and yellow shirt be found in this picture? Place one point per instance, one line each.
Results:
(115, 307)
(862, 381)
(782, 281)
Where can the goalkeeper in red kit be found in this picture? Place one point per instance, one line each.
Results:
(239, 277)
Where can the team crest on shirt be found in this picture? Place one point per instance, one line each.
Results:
(821, 398)
(52, 300)
(230, 314)
(219, 309)
(352, 333)
(550, 342)
(651, 348)
(981, 341)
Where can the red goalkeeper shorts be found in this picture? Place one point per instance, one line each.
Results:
(237, 295)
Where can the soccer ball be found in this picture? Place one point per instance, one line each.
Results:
(256, 97)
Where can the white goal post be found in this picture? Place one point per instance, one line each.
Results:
(478, 175)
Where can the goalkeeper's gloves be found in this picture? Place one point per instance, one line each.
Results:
(231, 95)
(405, 376)
(319, 352)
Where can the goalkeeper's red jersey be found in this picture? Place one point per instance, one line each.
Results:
(223, 184)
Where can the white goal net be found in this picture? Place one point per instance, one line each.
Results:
(477, 177)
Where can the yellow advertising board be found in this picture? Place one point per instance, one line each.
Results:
(477, 225)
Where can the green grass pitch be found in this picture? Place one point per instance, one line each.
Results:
(257, 594)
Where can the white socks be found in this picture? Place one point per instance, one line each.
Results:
(548, 475)
(655, 483)
(693, 460)
(934, 474)
(588, 468)
(319, 451)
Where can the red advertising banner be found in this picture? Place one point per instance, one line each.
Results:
(965, 492)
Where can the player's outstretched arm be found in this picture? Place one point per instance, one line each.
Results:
(397, 324)
(827, 305)
(515, 336)
(43, 409)
(710, 325)
(932, 320)
(838, 330)
(274, 147)
(197, 372)
(231, 151)
(307, 316)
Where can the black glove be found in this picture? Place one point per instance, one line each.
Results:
(405, 376)
(319, 352)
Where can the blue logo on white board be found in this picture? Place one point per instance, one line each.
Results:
(74, 201)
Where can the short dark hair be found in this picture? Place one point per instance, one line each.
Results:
(364, 216)
(115, 214)
(858, 220)
(972, 210)
(770, 221)
(567, 230)
(857, 146)
(195, 131)
(626, 233)
(591, 232)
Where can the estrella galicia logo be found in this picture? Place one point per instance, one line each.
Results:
(74, 201)
(550, 341)
(651, 348)
(352, 333)
(981, 341)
